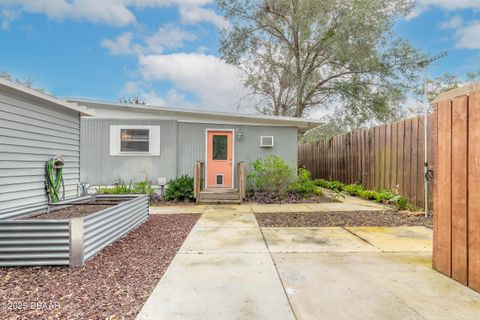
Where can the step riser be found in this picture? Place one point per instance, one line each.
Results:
(219, 202)
(219, 197)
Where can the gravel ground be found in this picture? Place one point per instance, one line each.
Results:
(342, 219)
(113, 285)
(269, 198)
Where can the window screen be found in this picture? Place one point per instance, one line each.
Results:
(134, 140)
(220, 147)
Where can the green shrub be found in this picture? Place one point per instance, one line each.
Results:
(368, 194)
(337, 185)
(322, 183)
(271, 174)
(304, 185)
(143, 187)
(353, 189)
(180, 189)
(401, 203)
(383, 196)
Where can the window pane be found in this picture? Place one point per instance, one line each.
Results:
(134, 134)
(134, 146)
(220, 147)
(134, 140)
(219, 179)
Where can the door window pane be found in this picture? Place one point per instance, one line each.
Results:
(220, 148)
(134, 140)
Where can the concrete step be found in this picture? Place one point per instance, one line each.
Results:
(216, 201)
(220, 196)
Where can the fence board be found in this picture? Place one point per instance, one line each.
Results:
(459, 189)
(442, 252)
(474, 191)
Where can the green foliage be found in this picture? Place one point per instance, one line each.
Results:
(368, 194)
(304, 185)
(180, 189)
(322, 183)
(400, 202)
(271, 174)
(353, 189)
(383, 196)
(143, 187)
(298, 55)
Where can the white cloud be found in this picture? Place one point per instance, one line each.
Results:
(452, 23)
(168, 37)
(172, 99)
(424, 5)
(120, 45)
(196, 14)
(111, 12)
(468, 37)
(216, 84)
(7, 17)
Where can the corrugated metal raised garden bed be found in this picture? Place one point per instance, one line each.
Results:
(37, 241)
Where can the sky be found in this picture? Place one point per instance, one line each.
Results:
(166, 51)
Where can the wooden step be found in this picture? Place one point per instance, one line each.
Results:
(219, 196)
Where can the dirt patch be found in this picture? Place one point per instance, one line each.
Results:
(342, 219)
(75, 211)
(273, 198)
(114, 285)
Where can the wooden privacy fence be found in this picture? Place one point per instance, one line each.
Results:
(456, 232)
(389, 156)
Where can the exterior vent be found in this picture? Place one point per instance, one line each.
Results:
(266, 141)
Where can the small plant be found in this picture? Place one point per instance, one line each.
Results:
(271, 174)
(337, 194)
(368, 194)
(353, 189)
(322, 183)
(304, 185)
(180, 189)
(383, 196)
(400, 202)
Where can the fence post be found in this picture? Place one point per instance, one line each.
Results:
(242, 180)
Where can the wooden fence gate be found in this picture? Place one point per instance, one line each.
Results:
(456, 232)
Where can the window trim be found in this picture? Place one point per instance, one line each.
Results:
(223, 179)
(267, 145)
(153, 140)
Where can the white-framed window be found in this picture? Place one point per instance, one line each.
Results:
(266, 141)
(133, 140)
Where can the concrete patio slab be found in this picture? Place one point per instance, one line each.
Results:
(341, 206)
(355, 200)
(333, 239)
(274, 208)
(396, 239)
(224, 240)
(235, 219)
(370, 285)
(219, 286)
(178, 209)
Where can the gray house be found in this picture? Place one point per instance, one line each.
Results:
(137, 143)
(34, 127)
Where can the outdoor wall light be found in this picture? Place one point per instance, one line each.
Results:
(239, 134)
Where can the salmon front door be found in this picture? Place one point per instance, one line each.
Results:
(219, 159)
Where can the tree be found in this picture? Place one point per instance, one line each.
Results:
(27, 81)
(132, 100)
(298, 55)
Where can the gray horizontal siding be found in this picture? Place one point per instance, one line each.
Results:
(103, 228)
(30, 135)
(28, 242)
(191, 144)
(99, 168)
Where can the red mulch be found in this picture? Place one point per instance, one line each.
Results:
(113, 285)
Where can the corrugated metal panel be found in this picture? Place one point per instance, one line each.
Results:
(99, 168)
(31, 134)
(191, 144)
(29, 242)
(104, 227)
